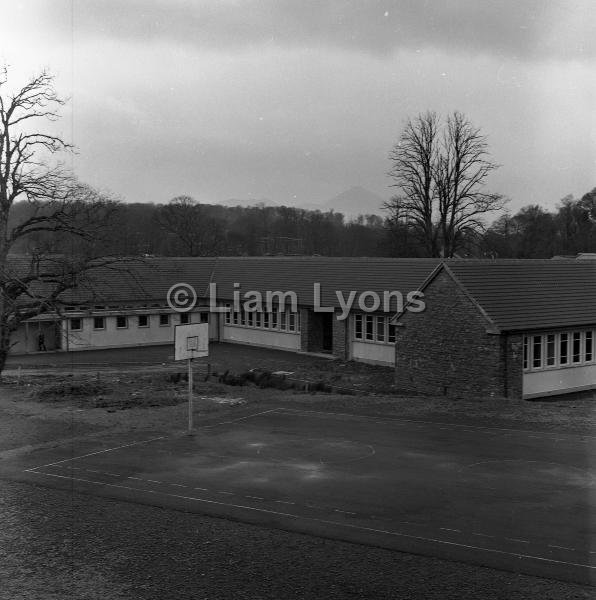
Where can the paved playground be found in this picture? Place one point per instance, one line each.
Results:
(511, 499)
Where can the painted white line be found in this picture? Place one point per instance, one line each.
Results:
(345, 512)
(447, 529)
(59, 462)
(561, 547)
(484, 535)
(329, 522)
(284, 502)
(255, 497)
(150, 480)
(420, 423)
(202, 489)
(239, 419)
(516, 540)
(177, 484)
(226, 493)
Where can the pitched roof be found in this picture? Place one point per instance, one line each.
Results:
(530, 294)
(299, 274)
(150, 279)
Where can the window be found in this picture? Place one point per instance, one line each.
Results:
(392, 334)
(258, 319)
(184, 318)
(358, 327)
(589, 347)
(537, 351)
(76, 324)
(204, 317)
(380, 329)
(164, 320)
(282, 321)
(563, 349)
(555, 350)
(526, 353)
(369, 331)
(250, 319)
(143, 321)
(99, 323)
(243, 317)
(292, 321)
(266, 320)
(577, 346)
(236, 318)
(551, 357)
(274, 320)
(228, 315)
(297, 321)
(121, 322)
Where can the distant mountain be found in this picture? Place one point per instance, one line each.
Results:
(355, 201)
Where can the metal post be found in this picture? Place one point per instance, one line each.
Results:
(190, 396)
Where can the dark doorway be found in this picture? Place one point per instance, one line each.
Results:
(327, 325)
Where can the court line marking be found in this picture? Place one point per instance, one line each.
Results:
(59, 462)
(329, 522)
(437, 423)
(264, 412)
(161, 437)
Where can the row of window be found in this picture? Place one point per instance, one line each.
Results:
(373, 328)
(553, 350)
(278, 321)
(123, 321)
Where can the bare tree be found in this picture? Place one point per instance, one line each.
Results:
(414, 158)
(60, 232)
(440, 170)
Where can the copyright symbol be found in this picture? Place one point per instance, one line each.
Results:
(181, 297)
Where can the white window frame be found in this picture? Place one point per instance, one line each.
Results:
(562, 339)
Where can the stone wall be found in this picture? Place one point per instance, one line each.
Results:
(446, 349)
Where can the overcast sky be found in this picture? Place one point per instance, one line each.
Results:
(298, 100)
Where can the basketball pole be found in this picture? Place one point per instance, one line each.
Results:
(190, 396)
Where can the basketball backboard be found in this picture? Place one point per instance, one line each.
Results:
(191, 341)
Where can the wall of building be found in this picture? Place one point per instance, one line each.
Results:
(380, 354)
(261, 337)
(341, 341)
(446, 349)
(559, 381)
(112, 336)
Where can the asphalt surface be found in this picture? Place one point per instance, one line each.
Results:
(60, 545)
(515, 500)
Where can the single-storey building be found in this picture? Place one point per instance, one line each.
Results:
(508, 328)
(512, 328)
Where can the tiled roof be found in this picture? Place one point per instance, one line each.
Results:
(299, 274)
(531, 294)
(144, 280)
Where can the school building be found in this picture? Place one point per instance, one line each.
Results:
(503, 328)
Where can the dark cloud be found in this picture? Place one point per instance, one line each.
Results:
(525, 29)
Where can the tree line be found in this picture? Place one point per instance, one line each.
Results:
(184, 227)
